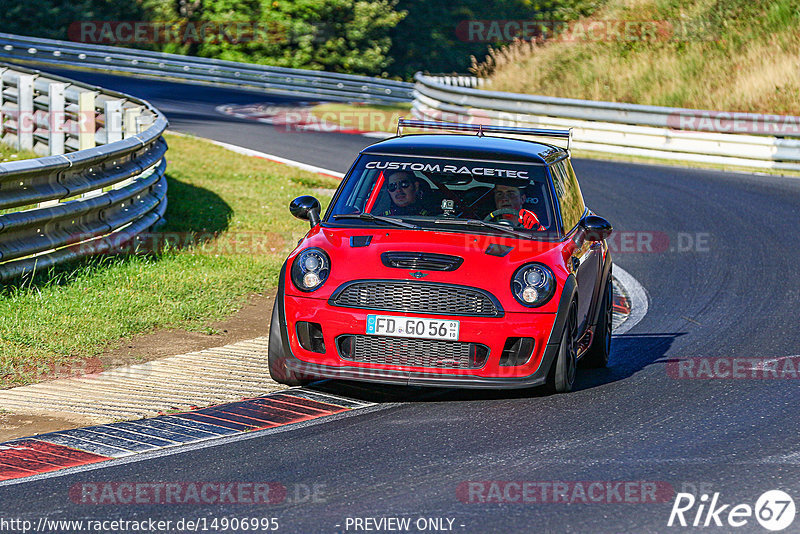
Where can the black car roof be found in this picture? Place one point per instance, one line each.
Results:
(468, 146)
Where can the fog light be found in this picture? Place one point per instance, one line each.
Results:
(529, 294)
(310, 279)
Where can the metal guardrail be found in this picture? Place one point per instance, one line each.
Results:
(100, 183)
(765, 141)
(297, 82)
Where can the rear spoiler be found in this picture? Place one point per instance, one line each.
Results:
(481, 129)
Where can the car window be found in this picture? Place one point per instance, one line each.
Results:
(432, 191)
(568, 191)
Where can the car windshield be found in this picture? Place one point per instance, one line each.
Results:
(484, 196)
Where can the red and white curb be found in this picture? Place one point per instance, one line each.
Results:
(631, 301)
(55, 451)
(176, 383)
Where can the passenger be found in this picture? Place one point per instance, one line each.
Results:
(404, 190)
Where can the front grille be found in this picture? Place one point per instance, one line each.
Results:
(408, 352)
(421, 261)
(416, 297)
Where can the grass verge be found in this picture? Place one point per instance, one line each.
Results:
(365, 118)
(228, 219)
(8, 154)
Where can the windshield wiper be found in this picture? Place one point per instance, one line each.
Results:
(483, 224)
(380, 218)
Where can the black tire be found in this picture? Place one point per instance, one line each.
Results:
(276, 355)
(561, 376)
(597, 354)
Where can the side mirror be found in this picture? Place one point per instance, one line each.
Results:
(307, 208)
(597, 228)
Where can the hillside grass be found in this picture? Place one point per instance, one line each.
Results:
(230, 213)
(733, 55)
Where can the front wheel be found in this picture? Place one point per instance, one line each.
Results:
(561, 376)
(276, 355)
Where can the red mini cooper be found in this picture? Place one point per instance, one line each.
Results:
(448, 259)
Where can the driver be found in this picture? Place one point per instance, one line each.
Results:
(404, 190)
(511, 199)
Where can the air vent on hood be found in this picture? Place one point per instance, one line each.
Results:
(360, 240)
(423, 261)
(498, 250)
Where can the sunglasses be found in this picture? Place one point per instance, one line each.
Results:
(392, 187)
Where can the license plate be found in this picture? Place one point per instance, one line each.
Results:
(419, 327)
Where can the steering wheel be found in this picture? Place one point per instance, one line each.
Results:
(497, 216)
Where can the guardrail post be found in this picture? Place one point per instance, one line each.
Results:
(130, 121)
(86, 121)
(143, 122)
(113, 112)
(2, 118)
(56, 118)
(25, 123)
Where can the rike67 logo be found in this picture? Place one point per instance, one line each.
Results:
(774, 510)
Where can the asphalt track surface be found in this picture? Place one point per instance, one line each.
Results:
(735, 296)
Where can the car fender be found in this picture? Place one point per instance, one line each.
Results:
(280, 302)
(594, 314)
(568, 294)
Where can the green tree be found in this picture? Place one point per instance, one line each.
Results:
(52, 18)
(428, 39)
(349, 36)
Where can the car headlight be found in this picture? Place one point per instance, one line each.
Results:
(310, 269)
(533, 285)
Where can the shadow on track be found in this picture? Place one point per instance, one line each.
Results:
(630, 353)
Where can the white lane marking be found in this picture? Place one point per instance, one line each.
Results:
(192, 446)
(272, 157)
(638, 296)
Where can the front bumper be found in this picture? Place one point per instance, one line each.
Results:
(489, 331)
